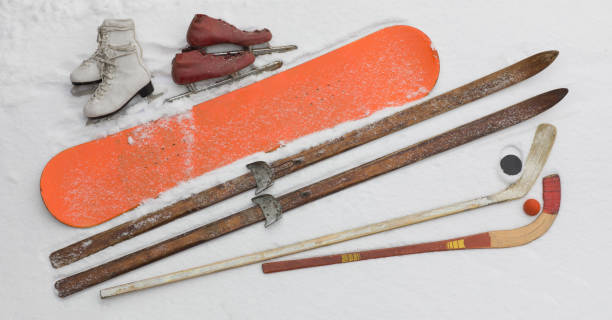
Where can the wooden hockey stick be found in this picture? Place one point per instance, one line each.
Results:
(492, 239)
(542, 144)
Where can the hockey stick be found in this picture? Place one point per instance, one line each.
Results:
(538, 154)
(492, 239)
(450, 100)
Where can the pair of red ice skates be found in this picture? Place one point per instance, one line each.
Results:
(196, 64)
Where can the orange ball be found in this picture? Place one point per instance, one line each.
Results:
(531, 207)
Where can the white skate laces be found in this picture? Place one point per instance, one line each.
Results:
(111, 32)
(106, 57)
(118, 68)
(123, 76)
(103, 32)
(97, 55)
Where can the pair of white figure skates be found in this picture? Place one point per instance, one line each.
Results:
(118, 68)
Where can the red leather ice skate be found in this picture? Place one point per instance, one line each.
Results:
(205, 31)
(193, 66)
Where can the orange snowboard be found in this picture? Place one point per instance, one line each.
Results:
(93, 182)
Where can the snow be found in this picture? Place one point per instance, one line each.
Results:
(563, 275)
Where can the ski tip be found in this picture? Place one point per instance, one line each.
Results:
(561, 92)
(543, 101)
(546, 57)
(550, 54)
(539, 61)
(553, 96)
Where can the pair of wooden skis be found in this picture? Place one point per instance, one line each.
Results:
(270, 208)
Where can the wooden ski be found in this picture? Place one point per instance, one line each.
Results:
(445, 141)
(277, 169)
(542, 144)
(551, 186)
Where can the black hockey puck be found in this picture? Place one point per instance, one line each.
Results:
(511, 164)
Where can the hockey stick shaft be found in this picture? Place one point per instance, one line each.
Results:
(450, 100)
(539, 152)
(492, 239)
(445, 141)
(471, 242)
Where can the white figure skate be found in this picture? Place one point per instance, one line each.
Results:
(123, 77)
(115, 32)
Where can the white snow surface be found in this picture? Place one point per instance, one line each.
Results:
(563, 275)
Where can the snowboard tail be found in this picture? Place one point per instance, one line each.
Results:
(93, 182)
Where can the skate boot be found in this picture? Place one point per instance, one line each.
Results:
(115, 32)
(196, 64)
(123, 77)
(193, 66)
(205, 31)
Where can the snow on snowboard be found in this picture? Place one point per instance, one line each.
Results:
(93, 182)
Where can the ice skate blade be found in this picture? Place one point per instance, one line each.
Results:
(83, 90)
(231, 78)
(144, 92)
(254, 51)
(84, 83)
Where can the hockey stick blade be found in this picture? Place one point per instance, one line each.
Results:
(538, 154)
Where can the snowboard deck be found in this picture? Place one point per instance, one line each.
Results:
(91, 183)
